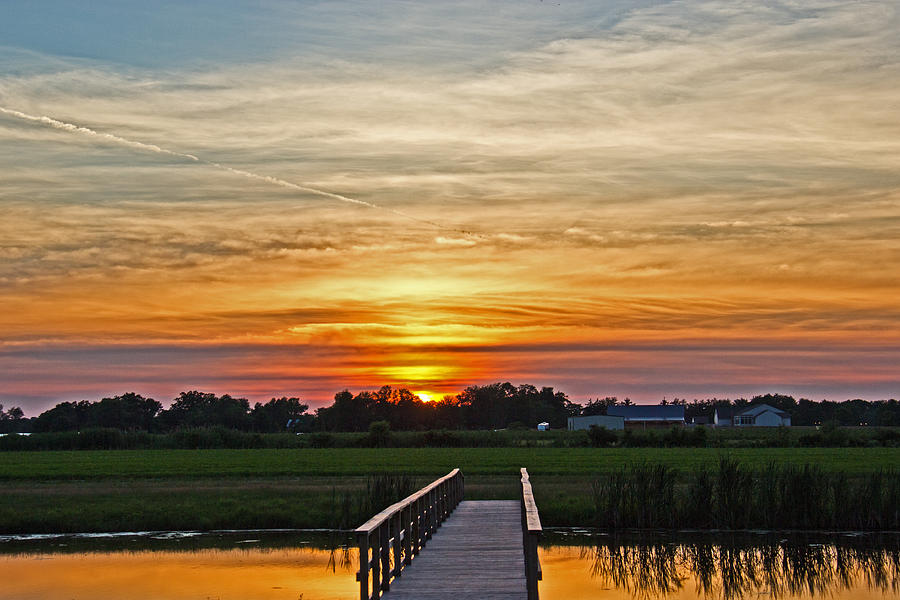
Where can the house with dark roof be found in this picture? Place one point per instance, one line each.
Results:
(757, 415)
(723, 416)
(649, 415)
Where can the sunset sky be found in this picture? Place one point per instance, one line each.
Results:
(638, 199)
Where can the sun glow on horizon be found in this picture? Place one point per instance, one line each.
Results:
(425, 396)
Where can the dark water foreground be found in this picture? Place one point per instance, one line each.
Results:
(291, 565)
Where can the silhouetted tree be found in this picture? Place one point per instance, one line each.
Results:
(13, 420)
(127, 412)
(200, 409)
(598, 406)
(65, 416)
(281, 414)
(347, 413)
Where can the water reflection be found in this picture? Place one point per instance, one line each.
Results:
(727, 567)
(242, 566)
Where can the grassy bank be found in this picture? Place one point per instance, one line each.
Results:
(204, 504)
(312, 488)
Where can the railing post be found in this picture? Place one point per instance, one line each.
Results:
(429, 506)
(531, 530)
(407, 534)
(362, 541)
(532, 573)
(398, 540)
(385, 551)
(417, 526)
(376, 566)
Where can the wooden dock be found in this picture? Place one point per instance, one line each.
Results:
(476, 554)
(475, 549)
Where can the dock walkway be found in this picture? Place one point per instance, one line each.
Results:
(433, 545)
(477, 554)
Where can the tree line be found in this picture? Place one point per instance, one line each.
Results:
(193, 409)
(494, 406)
(804, 412)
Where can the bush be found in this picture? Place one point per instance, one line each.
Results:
(440, 439)
(321, 439)
(601, 437)
(887, 437)
(101, 439)
(379, 435)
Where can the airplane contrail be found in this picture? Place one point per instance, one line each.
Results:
(72, 128)
(85, 131)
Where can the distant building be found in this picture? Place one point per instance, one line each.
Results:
(543, 426)
(723, 416)
(758, 415)
(576, 423)
(646, 416)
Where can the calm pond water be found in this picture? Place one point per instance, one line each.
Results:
(723, 566)
(223, 566)
(576, 565)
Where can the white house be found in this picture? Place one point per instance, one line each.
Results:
(757, 415)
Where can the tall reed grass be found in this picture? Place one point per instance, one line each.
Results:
(735, 496)
(349, 509)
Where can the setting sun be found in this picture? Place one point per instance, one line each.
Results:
(424, 396)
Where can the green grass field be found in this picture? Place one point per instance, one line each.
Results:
(140, 464)
(234, 489)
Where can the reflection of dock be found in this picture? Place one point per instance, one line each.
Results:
(485, 549)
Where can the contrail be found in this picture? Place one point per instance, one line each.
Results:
(105, 136)
(266, 178)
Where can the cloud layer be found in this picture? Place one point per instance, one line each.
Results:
(553, 181)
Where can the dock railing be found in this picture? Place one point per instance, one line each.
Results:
(389, 540)
(531, 533)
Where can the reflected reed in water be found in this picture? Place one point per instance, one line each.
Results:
(735, 567)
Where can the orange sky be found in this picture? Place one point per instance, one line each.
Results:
(677, 199)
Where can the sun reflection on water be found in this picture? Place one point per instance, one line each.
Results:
(237, 574)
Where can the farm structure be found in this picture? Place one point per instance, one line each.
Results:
(640, 416)
(610, 422)
(758, 415)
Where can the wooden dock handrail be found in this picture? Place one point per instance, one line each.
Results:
(400, 531)
(531, 533)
